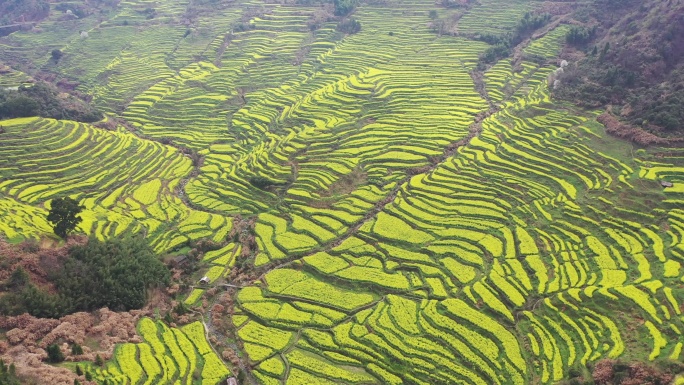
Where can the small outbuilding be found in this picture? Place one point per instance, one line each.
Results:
(180, 260)
(666, 184)
(231, 381)
(204, 280)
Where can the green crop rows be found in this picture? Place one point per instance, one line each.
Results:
(408, 251)
(125, 183)
(166, 356)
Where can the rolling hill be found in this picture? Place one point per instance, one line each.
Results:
(393, 191)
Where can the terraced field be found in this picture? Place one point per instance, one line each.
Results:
(125, 183)
(410, 229)
(166, 356)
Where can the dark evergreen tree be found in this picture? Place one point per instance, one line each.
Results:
(55, 355)
(56, 55)
(64, 216)
(18, 279)
(76, 349)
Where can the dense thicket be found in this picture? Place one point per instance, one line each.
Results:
(43, 99)
(116, 274)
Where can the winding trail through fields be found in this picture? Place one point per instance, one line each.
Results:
(400, 212)
(474, 130)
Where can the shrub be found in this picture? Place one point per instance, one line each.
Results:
(350, 26)
(55, 355)
(76, 350)
(8, 374)
(56, 55)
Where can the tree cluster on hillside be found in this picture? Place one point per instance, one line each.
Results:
(44, 99)
(116, 274)
(579, 35)
(632, 57)
(349, 26)
(504, 43)
(8, 375)
(15, 11)
(344, 7)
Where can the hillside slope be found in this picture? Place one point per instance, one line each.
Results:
(389, 191)
(630, 55)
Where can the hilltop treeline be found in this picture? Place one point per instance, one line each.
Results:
(116, 274)
(45, 100)
(13, 11)
(629, 54)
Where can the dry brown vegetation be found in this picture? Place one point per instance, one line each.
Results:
(27, 337)
(97, 333)
(36, 259)
(636, 373)
(637, 135)
(243, 232)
